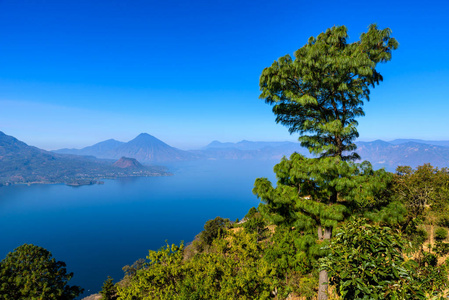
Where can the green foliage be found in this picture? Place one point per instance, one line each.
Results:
(252, 211)
(292, 256)
(132, 270)
(432, 278)
(425, 187)
(231, 269)
(441, 248)
(417, 238)
(366, 262)
(312, 192)
(108, 290)
(256, 225)
(30, 272)
(440, 234)
(158, 277)
(213, 229)
(320, 93)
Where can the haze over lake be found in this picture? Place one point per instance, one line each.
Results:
(98, 229)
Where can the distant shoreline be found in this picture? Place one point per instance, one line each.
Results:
(81, 181)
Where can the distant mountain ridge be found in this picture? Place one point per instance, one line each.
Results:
(102, 147)
(20, 163)
(435, 143)
(249, 145)
(382, 154)
(145, 148)
(387, 155)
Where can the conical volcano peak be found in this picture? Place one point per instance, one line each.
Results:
(146, 139)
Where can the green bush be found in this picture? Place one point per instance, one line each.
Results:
(358, 267)
(213, 229)
(440, 234)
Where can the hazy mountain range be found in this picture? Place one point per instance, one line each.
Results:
(148, 149)
(20, 163)
(145, 148)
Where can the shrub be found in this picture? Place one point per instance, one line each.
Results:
(357, 264)
(440, 234)
(213, 229)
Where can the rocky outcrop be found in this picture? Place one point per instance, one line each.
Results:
(127, 163)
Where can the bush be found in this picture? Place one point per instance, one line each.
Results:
(213, 229)
(440, 234)
(357, 264)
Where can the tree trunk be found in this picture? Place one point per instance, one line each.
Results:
(327, 233)
(320, 233)
(322, 287)
(324, 278)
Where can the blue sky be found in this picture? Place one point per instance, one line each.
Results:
(73, 73)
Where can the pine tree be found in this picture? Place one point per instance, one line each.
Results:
(320, 94)
(108, 290)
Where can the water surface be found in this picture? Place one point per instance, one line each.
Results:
(98, 229)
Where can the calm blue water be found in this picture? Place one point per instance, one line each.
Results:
(98, 229)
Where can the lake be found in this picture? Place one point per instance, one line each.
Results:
(98, 229)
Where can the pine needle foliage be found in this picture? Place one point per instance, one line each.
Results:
(108, 290)
(320, 92)
(321, 191)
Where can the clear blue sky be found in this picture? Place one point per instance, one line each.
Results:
(73, 73)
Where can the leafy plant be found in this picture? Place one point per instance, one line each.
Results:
(366, 262)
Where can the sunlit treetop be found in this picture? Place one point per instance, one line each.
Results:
(321, 92)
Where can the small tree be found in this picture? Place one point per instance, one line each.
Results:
(30, 272)
(108, 290)
(421, 188)
(213, 229)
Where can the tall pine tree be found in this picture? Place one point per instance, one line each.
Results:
(319, 94)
